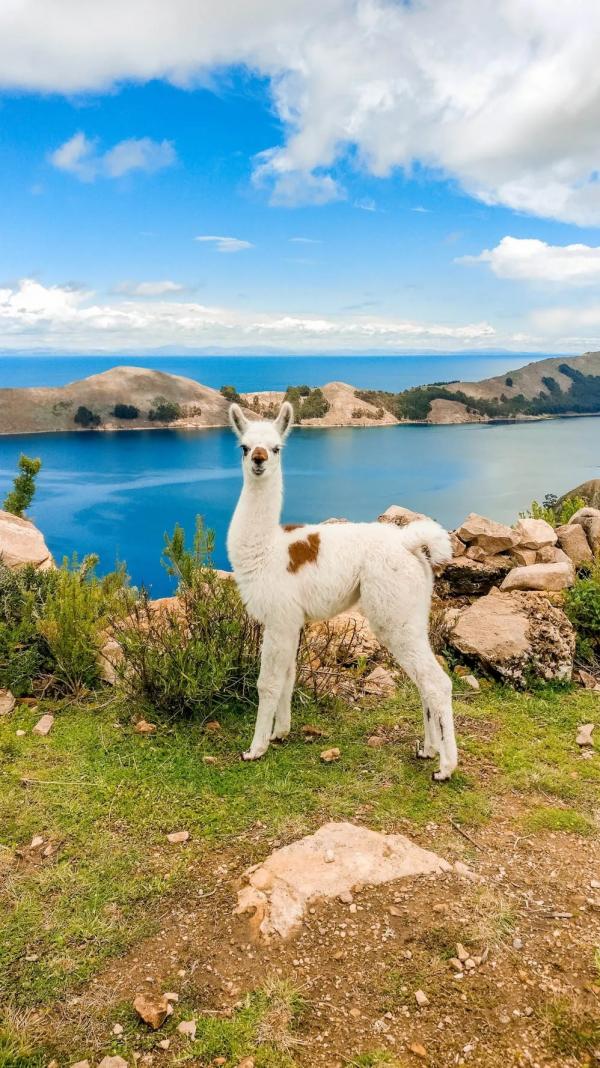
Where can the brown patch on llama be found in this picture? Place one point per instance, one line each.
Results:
(303, 552)
(288, 527)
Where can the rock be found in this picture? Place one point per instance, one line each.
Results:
(523, 557)
(515, 635)
(400, 516)
(347, 638)
(20, 733)
(592, 529)
(573, 541)
(464, 577)
(534, 534)
(187, 1028)
(584, 734)
(471, 682)
(421, 998)
(22, 543)
(380, 682)
(298, 874)
(7, 702)
(328, 756)
(152, 1009)
(164, 1043)
(143, 727)
(311, 731)
(491, 536)
(170, 996)
(584, 513)
(117, 1029)
(36, 842)
(246, 1062)
(475, 552)
(178, 836)
(588, 491)
(418, 1050)
(461, 952)
(44, 725)
(589, 519)
(458, 546)
(210, 760)
(110, 1062)
(86, 1064)
(376, 741)
(591, 682)
(540, 577)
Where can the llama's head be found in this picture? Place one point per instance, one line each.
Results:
(261, 440)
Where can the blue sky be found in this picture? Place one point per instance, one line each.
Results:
(371, 198)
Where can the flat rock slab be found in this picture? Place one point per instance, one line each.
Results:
(338, 858)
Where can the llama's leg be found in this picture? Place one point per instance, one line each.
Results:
(283, 715)
(278, 650)
(435, 689)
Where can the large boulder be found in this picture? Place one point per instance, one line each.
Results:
(22, 543)
(465, 577)
(514, 636)
(548, 577)
(534, 534)
(491, 536)
(589, 519)
(588, 491)
(573, 541)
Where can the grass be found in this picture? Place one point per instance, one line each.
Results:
(105, 798)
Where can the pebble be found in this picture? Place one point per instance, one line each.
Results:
(418, 1049)
(517, 943)
(328, 756)
(111, 1062)
(36, 842)
(164, 1043)
(21, 734)
(472, 682)
(209, 760)
(188, 1028)
(178, 836)
(329, 856)
(44, 726)
(421, 998)
(376, 741)
(461, 952)
(151, 1009)
(117, 1029)
(143, 727)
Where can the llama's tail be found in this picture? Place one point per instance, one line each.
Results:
(426, 534)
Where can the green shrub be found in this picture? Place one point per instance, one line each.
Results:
(164, 411)
(554, 513)
(231, 394)
(21, 495)
(202, 652)
(125, 411)
(307, 403)
(86, 418)
(582, 604)
(24, 655)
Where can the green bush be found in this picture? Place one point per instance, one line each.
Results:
(86, 418)
(21, 495)
(164, 411)
(307, 403)
(125, 411)
(24, 655)
(582, 604)
(231, 394)
(554, 513)
(203, 651)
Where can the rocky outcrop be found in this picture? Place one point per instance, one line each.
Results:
(515, 636)
(465, 577)
(22, 543)
(534, 534)
(487, 534)
(400, 516)
(573, 541)
(589, 519)
(549, 577)
(588, 491)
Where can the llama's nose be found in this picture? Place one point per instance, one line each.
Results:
(259, 456)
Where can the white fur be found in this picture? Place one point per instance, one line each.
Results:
(388, 568)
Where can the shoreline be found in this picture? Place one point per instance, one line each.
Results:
(375, 424)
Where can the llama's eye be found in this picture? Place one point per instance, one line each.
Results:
(276, 449)
(245, 449)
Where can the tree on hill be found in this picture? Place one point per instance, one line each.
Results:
(21, 495)
(164, 411)
(86, 418)
(231, 394)
(125, 411)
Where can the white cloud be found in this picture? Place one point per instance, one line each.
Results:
(502, 97)
(365, 204)
(80, 156)
(530, 260)
(149, 289)
(60, 317)
(226, 244)
(305, 240)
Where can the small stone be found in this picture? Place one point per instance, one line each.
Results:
(212, 726)
(85, 1064)
(220, 1060)
(151, 1009)
(209, 760)
(7, 702)
(393, 911)
(143, 727)
(469, 964)
(164, 1043)
(461, 952)
(48, 851)
(110, 1062)
(355, 1013)
(44, 725)
(178, 836)
(418, 1050)
(31, 958)
(346, 897)
(246, 1062)
(517, 943)
(187, 1028)
(20, 733)
(310, 731)
(471, 682)
(36, 842)
(329, 856)
(117, 1029)
(584, 734)
(376, 741)
(170, 996)
(421, 998)
(456, 963)
(328, 756)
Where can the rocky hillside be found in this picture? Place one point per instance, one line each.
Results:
(557, 386)
(342, 407)
(124, 398)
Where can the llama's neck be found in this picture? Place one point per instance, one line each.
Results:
(255, 521)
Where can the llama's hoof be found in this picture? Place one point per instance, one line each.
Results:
(283, 737)
(441, 776)
(254, 754)
(422, 753)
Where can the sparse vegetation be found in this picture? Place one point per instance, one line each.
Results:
(164, 411)
(555, 512)
(86, 418)
(307, 403)
(231, 394)
(582, 604)
(126, 411)
(21, 495)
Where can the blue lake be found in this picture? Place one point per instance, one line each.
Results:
(117, 493)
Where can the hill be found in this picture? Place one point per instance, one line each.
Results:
(556, 386)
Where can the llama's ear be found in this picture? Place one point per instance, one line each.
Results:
(284, 420)
(239, 423)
